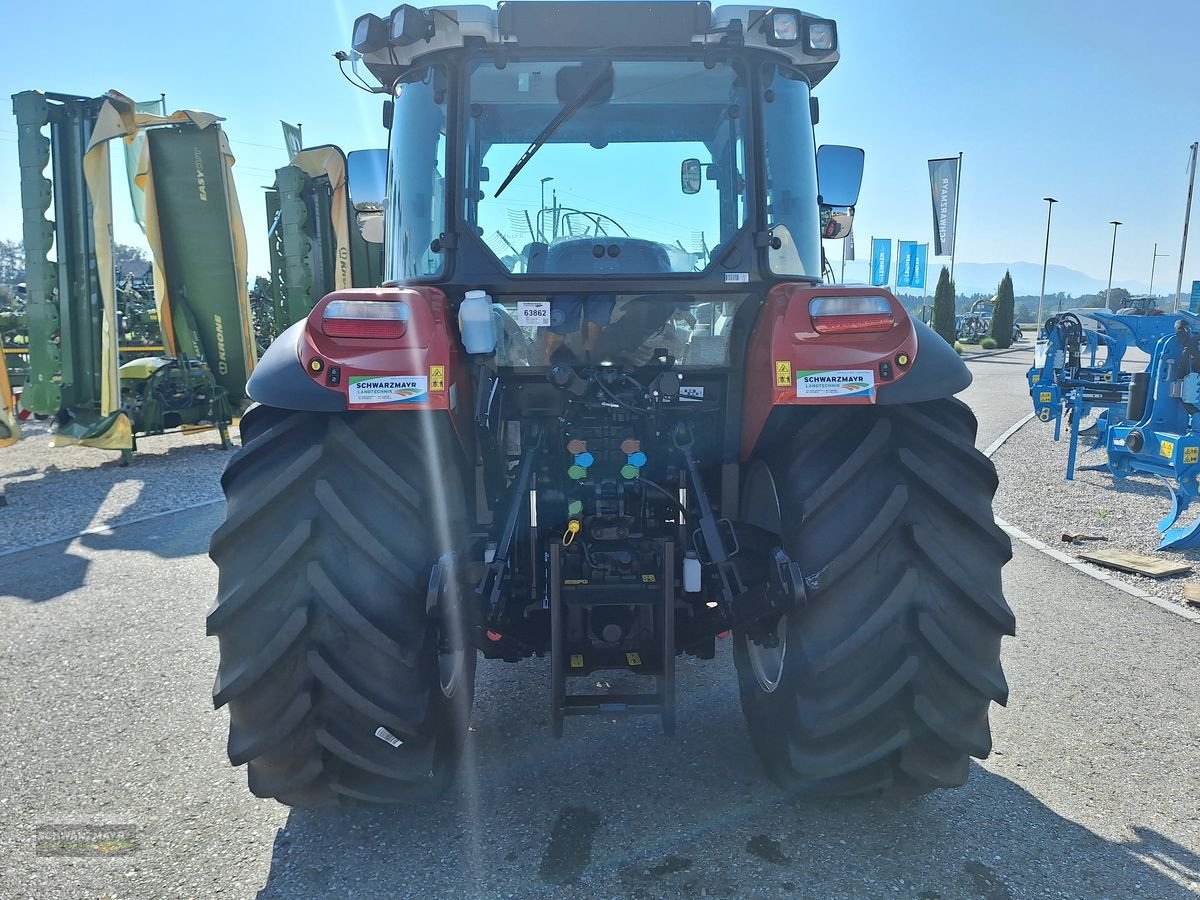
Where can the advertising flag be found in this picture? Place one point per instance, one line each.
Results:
(943, 183)
(881, 261)
(920, 257)
(291, 137)
(906, 262)
(848, 255)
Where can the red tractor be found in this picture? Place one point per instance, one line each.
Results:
(605, 409)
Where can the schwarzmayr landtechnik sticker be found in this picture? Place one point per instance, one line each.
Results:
(389, 389)
(835, 383)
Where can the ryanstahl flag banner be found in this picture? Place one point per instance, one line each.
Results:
(881, 261)
(920, 257)
(906, 263)
(943, 182)
(849, 252)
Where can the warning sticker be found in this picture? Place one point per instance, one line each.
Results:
(437, 378)
(576, 660)
(533, 313)
(783, 373)
(634, 659)
(1044, 397)
(1166, 449)
(389, 389)
(1191, 455)
(835, 383)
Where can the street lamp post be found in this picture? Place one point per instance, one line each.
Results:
(1108, 290)
(542, 211)
(1050, 201)
(1153, 260)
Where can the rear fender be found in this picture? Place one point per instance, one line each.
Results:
(279, 379)
(424, 369)
(790, 364)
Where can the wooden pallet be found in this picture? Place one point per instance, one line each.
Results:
(1137, 563)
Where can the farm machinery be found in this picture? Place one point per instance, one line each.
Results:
(1160, 434)
(318, 241)
(1077, 370)
(10, 427)
(607, 446)
(77, 313)
(1148, 421)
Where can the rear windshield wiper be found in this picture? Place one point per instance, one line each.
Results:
(554, 124)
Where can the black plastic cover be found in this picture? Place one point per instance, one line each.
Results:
(937, 372)
(279, 380)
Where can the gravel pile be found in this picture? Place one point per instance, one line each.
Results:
(1035, 496)
(59, 492)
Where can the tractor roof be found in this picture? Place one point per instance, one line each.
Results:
(390, 46)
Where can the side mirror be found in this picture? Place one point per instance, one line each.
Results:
(839, 174)
(690, 176)
(836, 221)
(389, 113)
(370, 226)
(366, 174)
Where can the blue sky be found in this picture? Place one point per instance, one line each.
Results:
(1094, 103)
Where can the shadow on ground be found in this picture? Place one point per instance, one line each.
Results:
(40, 574)
(619, 811)
(999, 360)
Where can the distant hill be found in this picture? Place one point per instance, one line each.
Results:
(983, 278)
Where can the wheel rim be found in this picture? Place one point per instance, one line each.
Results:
(450, 671)
(441, 602)
(767, 662)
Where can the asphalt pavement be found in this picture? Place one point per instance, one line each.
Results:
(106, 723)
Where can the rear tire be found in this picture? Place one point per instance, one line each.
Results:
(333, 612)
(883, 677)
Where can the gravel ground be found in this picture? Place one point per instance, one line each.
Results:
(1035, 496)
(60, 492)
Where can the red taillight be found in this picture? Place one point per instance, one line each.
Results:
(841, 314)
(853, 324)
(365, 319)
(362, 328)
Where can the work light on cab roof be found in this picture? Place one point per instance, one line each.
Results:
(388, 45)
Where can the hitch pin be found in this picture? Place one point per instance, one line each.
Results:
(569, 535)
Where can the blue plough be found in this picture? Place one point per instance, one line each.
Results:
(1062, 384)
(1161, 433)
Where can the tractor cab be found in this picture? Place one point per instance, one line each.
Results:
(680, 157)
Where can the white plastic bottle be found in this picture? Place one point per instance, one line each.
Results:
(476, 323)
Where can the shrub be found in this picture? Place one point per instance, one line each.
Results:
(959, 348)
(943, 307)
(989, 343)
(1002, 315)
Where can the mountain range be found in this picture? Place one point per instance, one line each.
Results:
(984, 278)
